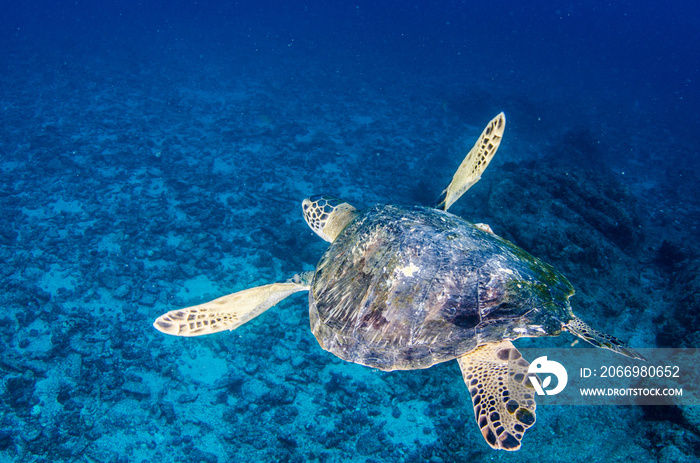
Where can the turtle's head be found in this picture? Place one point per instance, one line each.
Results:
(327, 216)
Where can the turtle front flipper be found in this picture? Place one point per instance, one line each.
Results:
(582, 330)
(504, 400)
(228, 312)
(474, 164)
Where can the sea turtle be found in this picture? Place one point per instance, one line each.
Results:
(403, 288)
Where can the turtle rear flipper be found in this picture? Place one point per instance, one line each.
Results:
(504, 400)
(474, 164)
(599, 339)
(228, 312)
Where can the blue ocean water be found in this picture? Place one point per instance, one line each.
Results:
(154, 155)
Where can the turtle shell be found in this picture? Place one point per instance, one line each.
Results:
(407, 287)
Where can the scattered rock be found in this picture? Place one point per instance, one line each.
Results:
(109, 280)
(250, 367)
(280, 352)
(298, 361)
(187, 398)
(669, 255)
(368, 443)
(18, 392)
(148, 299)
(281, 395)
(137, 389)
(121, 292)
(692, 417)
(672, 454)
(6, 440)
(232, 384)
